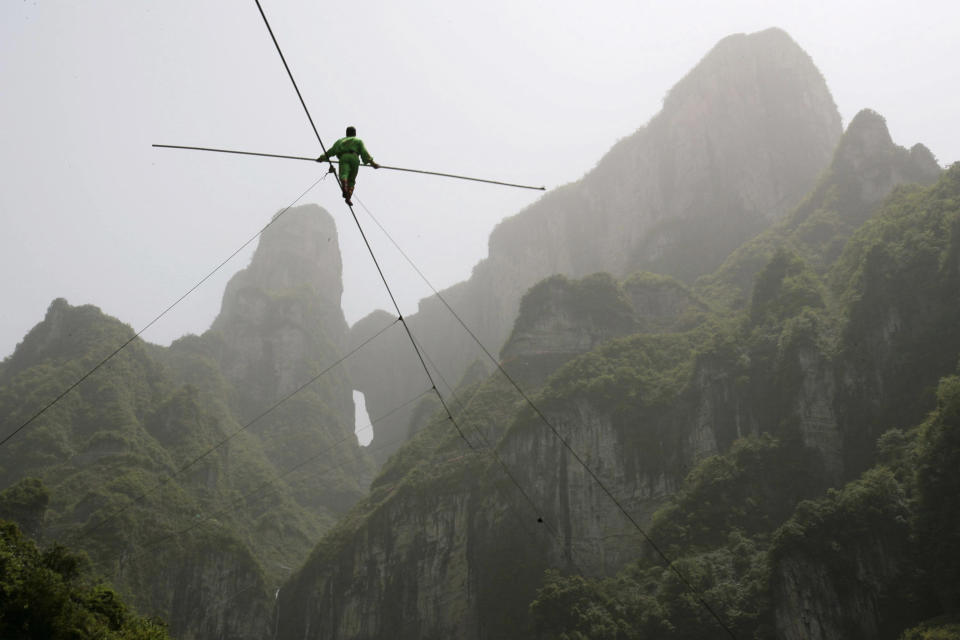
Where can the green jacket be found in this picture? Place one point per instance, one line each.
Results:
(350, 144)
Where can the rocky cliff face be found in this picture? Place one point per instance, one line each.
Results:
(560, 319)
(739, 141)
(843, 567)
(389, 599)
(280, 326)
(875, 164)
(556, 324)
(213, 588)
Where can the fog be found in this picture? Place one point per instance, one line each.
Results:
(531, 92)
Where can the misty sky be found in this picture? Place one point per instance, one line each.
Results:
(529, 91)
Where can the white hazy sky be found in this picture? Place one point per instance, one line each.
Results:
(528, 91)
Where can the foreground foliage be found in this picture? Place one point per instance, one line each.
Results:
(47, 594)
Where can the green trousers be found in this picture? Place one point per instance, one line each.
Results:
(349, 168)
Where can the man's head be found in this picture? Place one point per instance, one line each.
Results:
(351, 131)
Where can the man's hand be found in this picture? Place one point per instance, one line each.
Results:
(374, 165)
(320, 159)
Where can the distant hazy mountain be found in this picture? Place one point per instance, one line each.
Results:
(740, 140)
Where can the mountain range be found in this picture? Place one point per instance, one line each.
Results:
(708, 390)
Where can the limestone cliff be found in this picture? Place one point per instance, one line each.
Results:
(281, 315)
(738, 143)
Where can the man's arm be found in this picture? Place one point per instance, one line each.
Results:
(332, 151)
(366, 157)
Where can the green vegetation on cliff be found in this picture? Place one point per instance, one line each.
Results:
(887, 539)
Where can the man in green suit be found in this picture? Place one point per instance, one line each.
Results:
(349, 151)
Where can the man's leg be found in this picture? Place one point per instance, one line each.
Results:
(349, 166)
(344, 176)
(352, 180)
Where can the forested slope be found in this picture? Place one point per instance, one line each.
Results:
(194, 476)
